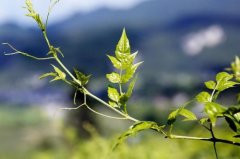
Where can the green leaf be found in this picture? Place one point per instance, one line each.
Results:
(183, 112)
(48, 74)
(123, 45)
(214, 110)
(81, 77)
(137, 127)
(223, 76)
(128, 60)
(123, 99)
(203, 120)
(130, 87)
(130, 72)
(113, 94)
(114, 77)
(210, 84)
(60, 75)
(232, 116)
(113, 104)
(56, 78)
(235, 67)
(225, 85)
(117, 64)
(188, 115)
(203, 97)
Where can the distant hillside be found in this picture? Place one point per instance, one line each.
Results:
(156, 28)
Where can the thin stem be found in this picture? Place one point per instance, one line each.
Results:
(46, 39)
(204, 139)
(75, 96)
(94, 111)
(68, 72)
(25, 54)
(213, 137)
(49, 10)
(73, 108)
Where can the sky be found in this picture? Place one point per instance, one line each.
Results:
(12, 10)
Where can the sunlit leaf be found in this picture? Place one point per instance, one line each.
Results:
(203, 97)
(203, 120)
(113, 94)
(113, 104)
(130, 87)
(214, 110)
(114, 77)
(225, 85)
(117, 64)
(130, 72)
(223, 76)
(123, 45)
(128, 60)
(60, 74)
(187, 114)
(137, 127)
(53, 74)
(210, 84)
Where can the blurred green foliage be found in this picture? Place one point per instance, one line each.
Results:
(28, 133)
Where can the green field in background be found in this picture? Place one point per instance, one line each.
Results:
(28, 133)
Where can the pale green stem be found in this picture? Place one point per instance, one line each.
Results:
(120, 83)
(204, 139)
(68, 72)
(24, 54)
(75, 108)
(46, 38)
(107, 116)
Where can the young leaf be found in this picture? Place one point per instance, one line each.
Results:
(130, 87)
(232, 116)
(81, 77)
(214, 110)
(48, 74)
(188, 115)
(235, 67)
(113, 94)
(203, 97)
(114, 77)
(137, 127)
(123, 45)
(183, 112)
(225, 85)
(59, 72)
(128, 60)
(223, 76)
(113, 104)
(203, 120)
(117, 64)
(130, 72)
(210, 84)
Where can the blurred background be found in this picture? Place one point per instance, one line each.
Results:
(182, 43)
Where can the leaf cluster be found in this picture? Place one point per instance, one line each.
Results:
(215, 110)
(123, 62)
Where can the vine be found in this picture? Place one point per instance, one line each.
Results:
(122, 82)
